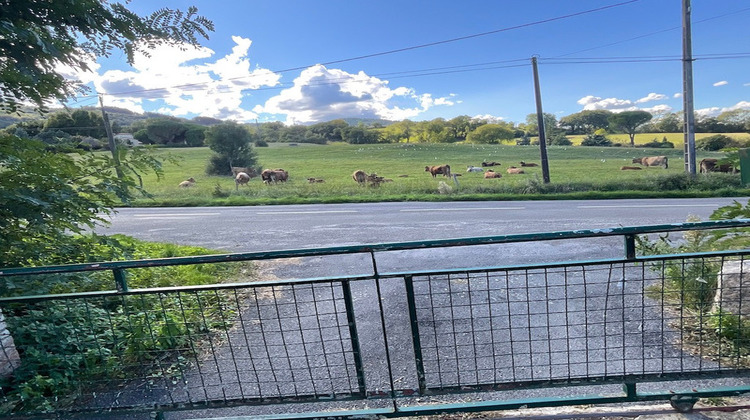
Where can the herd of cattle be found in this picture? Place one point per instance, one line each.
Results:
(242, 175)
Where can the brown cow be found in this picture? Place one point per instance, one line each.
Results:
(360, 177)
(493, 163)
(241, 179)
(630, 168)
(438, 169)
(712, 165)
(514, 170)
(528, 164)
(274, 175)
(188, 183)
(653, 161)
(490, 174)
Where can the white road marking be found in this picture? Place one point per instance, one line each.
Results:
(643, 206)
(152, 215)
(307, 212)
(463, 209)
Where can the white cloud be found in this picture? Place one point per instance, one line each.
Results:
(746, 84)
(322, 94)
(169, 78)
(489, 118)
(677, 95)
(715, 110)
(658, 109)
(721, 83)
(651, 97)
(591, 103)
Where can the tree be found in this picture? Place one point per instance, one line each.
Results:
(359, 134)
(586, 122)
(737, 120)
(669, 123)
(629, 121)
(532, 123)
(330, 131)
(400, 131)
(36, 36)
(490, 133)
(233, 146)
(166, 130)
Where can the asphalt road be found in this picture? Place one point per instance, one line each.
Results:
(544, 326)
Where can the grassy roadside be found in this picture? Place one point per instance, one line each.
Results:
(576, 173)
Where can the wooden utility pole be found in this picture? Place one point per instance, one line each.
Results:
(111, 139)
(540, 122)
(687, 89)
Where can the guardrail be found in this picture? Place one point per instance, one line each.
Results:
(387, 338)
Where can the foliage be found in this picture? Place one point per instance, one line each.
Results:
(38, 35)
(629, 121)
(656, 144)
(232, 145)
(716, 142)
(558, 138)
(596, 140)
(532, 123)
(490, 134)
(586, 122)
(88, 340)
(692, 282)
(359, 135)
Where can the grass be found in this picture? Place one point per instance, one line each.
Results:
(575, 172)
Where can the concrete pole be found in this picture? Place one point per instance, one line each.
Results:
(540, 122)
(687, 89)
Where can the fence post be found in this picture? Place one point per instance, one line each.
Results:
(349, 303)
(120, 280)
(409, 282)
(630, 246)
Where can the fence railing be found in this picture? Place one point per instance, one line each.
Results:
(671, 323)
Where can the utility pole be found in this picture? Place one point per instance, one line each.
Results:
(687, 89)
(540, 122)
(110, 139)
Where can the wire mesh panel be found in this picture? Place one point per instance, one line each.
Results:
(181, 347)
(574, 323)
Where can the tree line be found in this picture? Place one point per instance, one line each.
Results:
(85, 129)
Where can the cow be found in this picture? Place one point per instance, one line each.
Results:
(241, 179)
(652, 161)
(360, 177)
(514, 170)
(528, 164)
(187, 183)
(438, 169)
(490, 174)
(274, 175)
(473, 169)
(712, 165)
(630, 168)
(493, 163)
(375, 180)
(249, 171)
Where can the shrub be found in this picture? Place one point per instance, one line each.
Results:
(260, 143)
(559, 139)
(663, 144)
(596, 140)
(716, 142)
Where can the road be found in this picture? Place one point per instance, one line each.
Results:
(264, 228)
(596, 307)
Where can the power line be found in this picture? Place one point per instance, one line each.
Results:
(398, 50)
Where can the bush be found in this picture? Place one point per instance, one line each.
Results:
(260, 143)
(596, 140)
(558, 139)
(663, 144)
(716, 142)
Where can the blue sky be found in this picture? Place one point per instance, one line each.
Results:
(297, 61)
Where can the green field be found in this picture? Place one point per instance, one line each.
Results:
(575, 172)
(676, 138)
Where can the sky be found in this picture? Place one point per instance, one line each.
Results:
(302, 62)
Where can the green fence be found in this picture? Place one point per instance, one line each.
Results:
(656, 327)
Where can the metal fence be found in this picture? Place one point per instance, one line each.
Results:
(387, 337)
